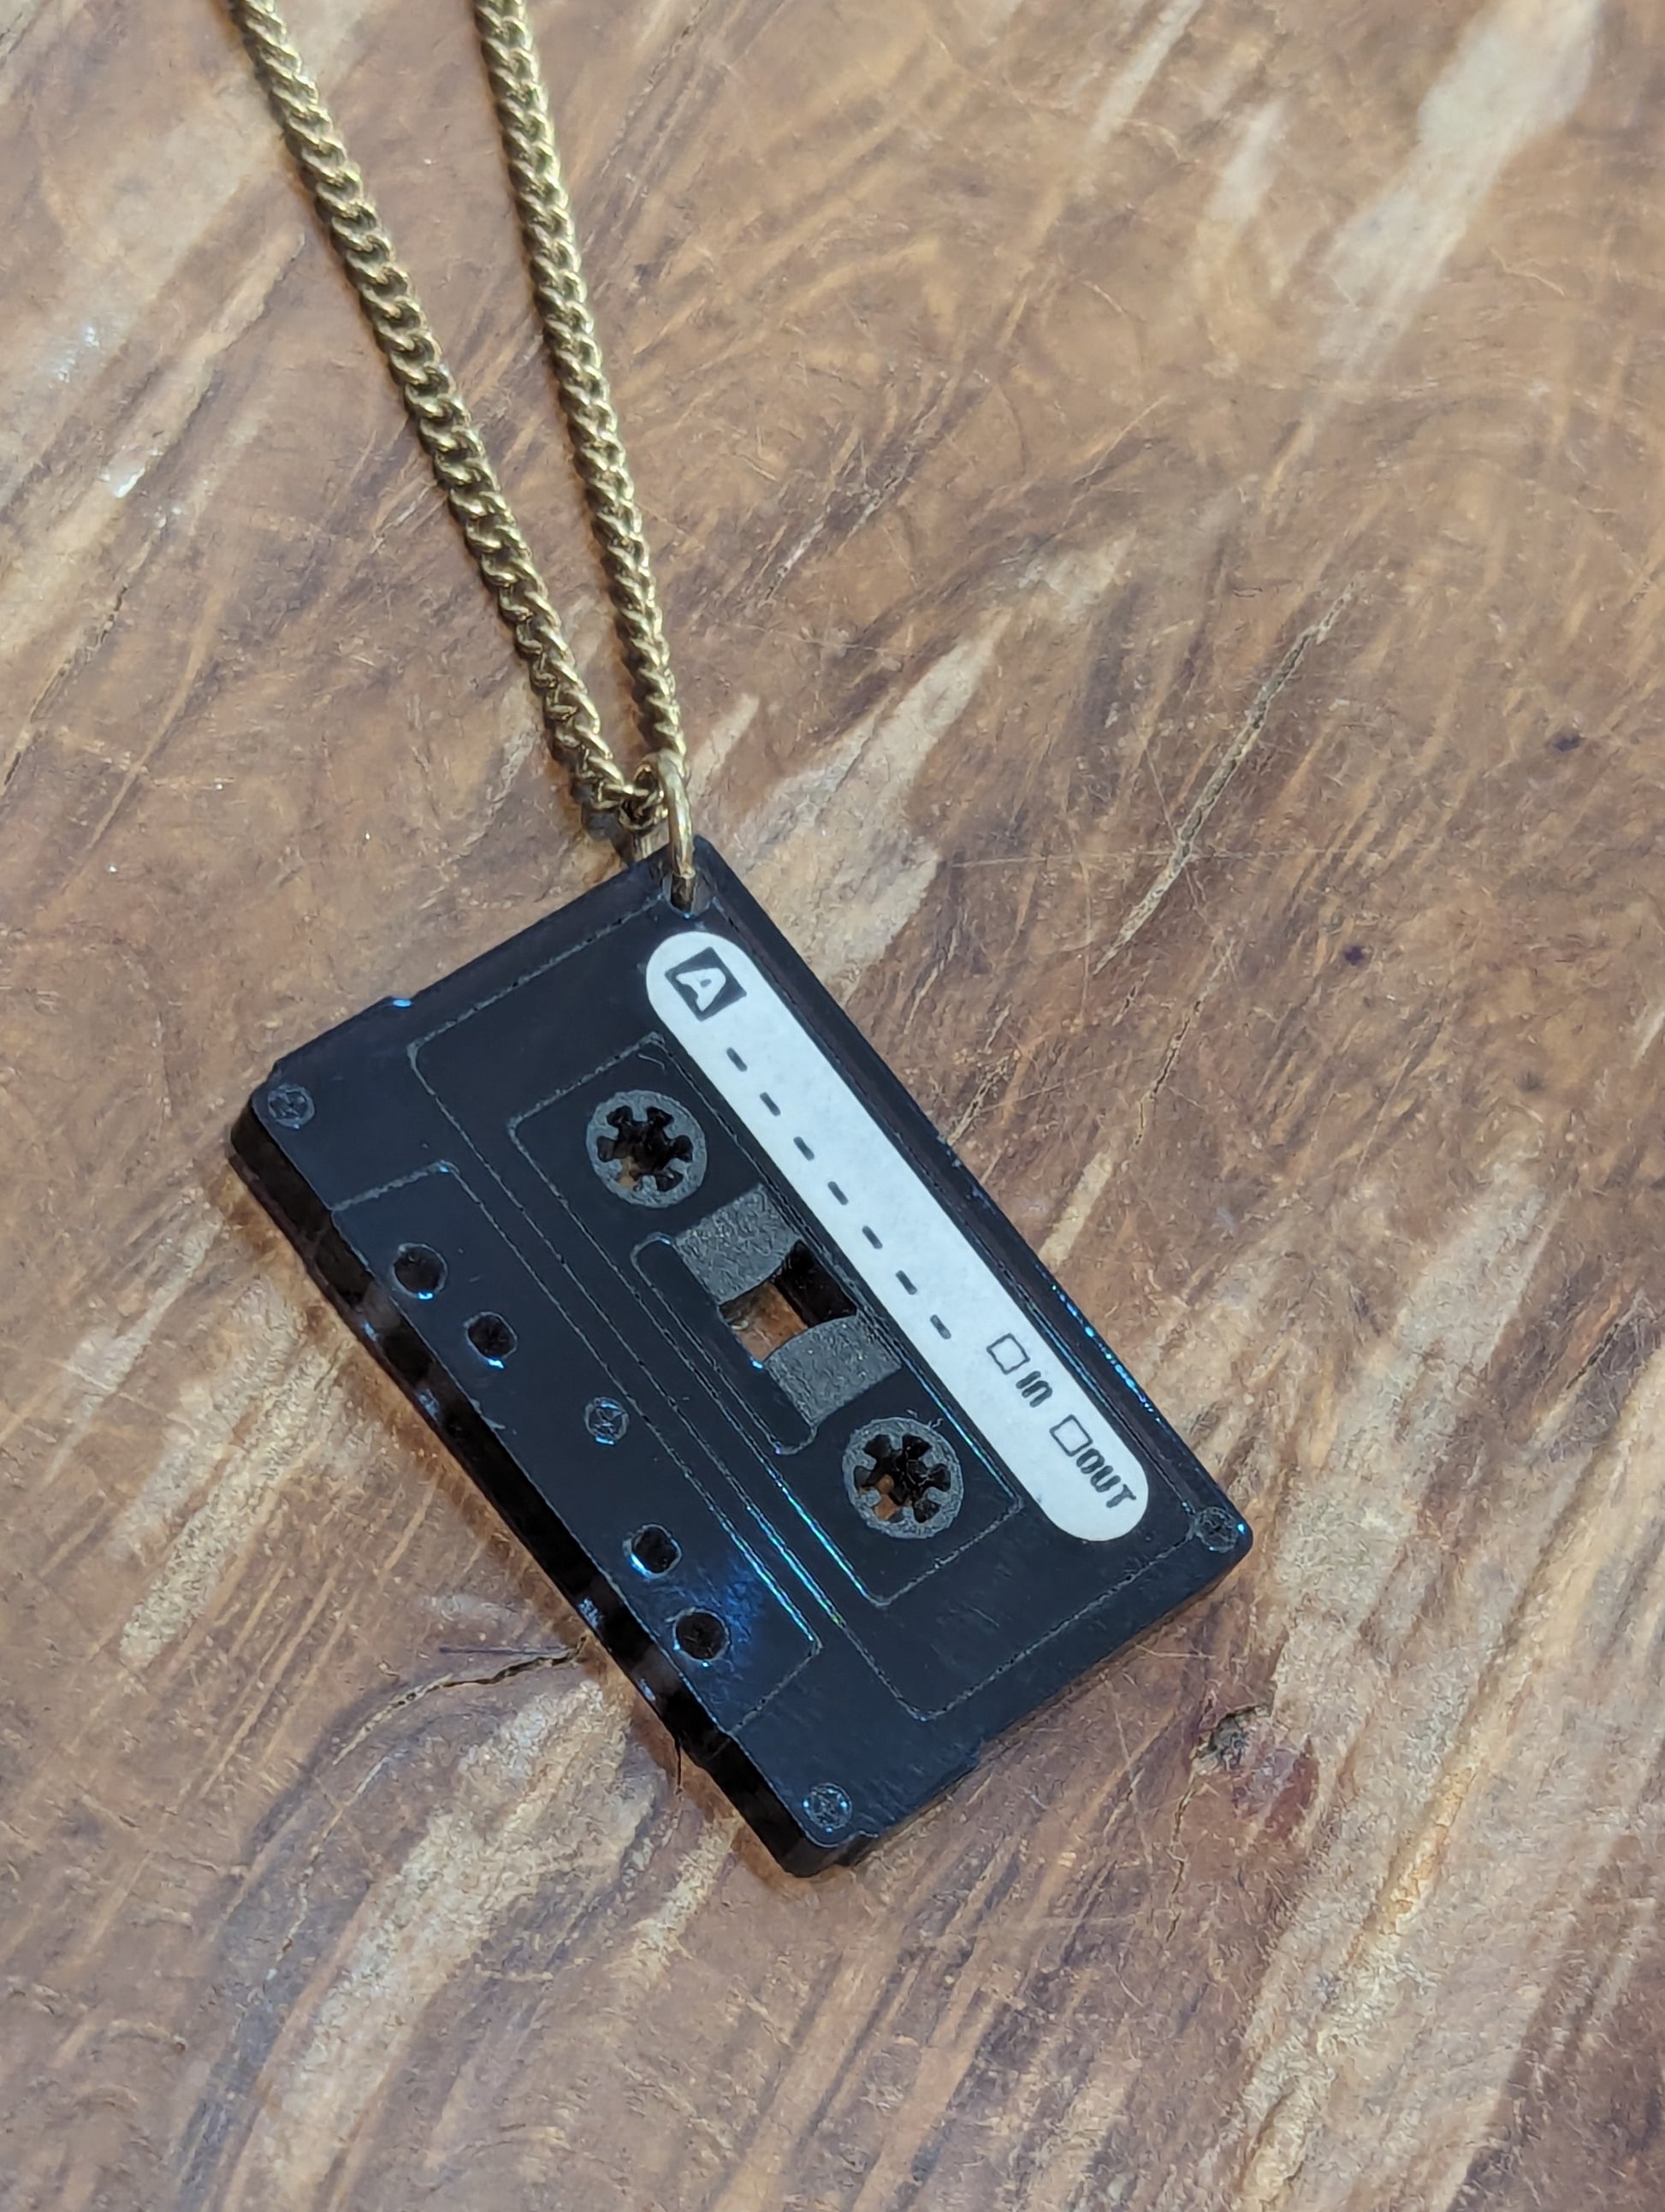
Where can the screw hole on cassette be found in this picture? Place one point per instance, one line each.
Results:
(419, 1269)
(654, 1551)
(1217, 1529)
(492, 1338)
(605, 1419)
(647, 1147)
(830, 1809)
(703, 1636)
(290, 1105)
(902, 1478)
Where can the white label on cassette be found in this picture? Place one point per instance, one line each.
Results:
(927, 1275)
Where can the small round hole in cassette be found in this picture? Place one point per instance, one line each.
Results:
(703, 1636)
(654, 1551)
(419, 1269)
(492, 1337)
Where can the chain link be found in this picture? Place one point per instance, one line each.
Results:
(439, 414)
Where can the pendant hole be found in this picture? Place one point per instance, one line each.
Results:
(655, 1551)
(492, 1338)
(419, 1269)
(702, 1635)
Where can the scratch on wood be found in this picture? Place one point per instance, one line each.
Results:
(1090, 1185)
(1139, 71)
(1520, 69)
(1220, 779)
(271, 1419)
(491, 1844)
(100, 1366)
(873, 869)
(1493, 1752)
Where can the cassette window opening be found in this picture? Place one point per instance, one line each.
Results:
(800, 1294)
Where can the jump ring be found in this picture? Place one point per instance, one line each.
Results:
(678, 825)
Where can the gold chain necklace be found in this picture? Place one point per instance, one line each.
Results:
(441, 417)
(778, 1399)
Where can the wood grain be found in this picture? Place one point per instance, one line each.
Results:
(1161, 508)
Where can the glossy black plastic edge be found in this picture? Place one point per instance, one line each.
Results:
(350, 1287)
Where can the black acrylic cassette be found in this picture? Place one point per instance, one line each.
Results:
(757, 1370)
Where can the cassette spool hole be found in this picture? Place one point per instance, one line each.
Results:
(703, 1636)
(647, 1148)
(902, 1478)
(655, 1550)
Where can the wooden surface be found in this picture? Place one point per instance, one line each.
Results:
(1161, 508)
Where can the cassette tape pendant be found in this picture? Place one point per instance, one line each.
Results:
(743, 1353)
